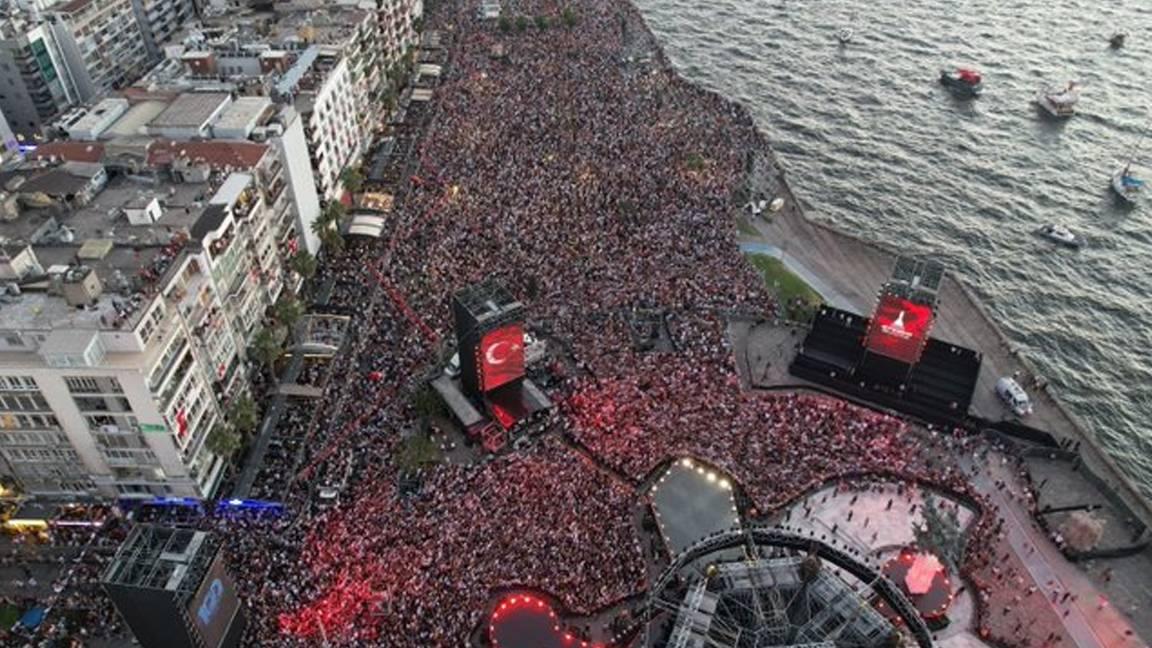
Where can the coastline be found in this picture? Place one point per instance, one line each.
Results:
(771, 179)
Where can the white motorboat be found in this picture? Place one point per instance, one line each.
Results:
(845, 35)
(1127, 186)
(1060, 235)
(1059, 103)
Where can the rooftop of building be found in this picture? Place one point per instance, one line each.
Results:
(132, 261)
(242, 112)
(153, 151)
(190, 110)
(289, 25)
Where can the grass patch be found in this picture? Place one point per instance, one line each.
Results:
(746, 228)
(797, 299)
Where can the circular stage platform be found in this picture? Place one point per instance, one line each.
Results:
(527, 621)
(924, 580)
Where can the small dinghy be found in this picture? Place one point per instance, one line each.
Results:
(1117, 40)
(845, 35)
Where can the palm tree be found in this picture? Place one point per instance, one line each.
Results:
(223, 441)
(303, 264)
(353, 180)
(243, 415)
(327, 226)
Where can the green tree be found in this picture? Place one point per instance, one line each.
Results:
(303, 264)
(243, 416)
(940, 532)
(353, 179)
(427, 403)
(521, 24)
(266, 345)
(327, 226)
(505, 24)
(569, 17)
(542, 22)
(416, 451)
(288, 310)
(223, 441)
(332, 240)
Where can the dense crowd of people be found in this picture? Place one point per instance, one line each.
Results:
(590, 179)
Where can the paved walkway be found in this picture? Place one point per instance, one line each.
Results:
(1088, 623)
(863, 520)
(850, 270)
(255, 458)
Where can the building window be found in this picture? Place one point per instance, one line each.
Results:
(93, 385)
(18, 383)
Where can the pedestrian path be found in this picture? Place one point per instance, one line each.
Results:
(1087, 617)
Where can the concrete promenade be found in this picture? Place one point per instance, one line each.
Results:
(853, 270)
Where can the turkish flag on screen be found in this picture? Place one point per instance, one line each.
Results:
(501, 356)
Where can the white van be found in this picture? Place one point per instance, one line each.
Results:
(1014, 396)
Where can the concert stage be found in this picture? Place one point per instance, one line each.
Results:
(938, 387)
(489, 393)
(692, 500)
(528, 621)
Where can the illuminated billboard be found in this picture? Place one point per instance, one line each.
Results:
(214, 606)
(899, 329)
(501, 356)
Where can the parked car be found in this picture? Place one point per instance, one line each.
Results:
(1014, 396)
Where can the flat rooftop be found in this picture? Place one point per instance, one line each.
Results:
(138, 116)
(242, 112)
(103, 217)
(190, 110)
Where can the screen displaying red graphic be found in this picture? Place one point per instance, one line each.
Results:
(899, 329)
(501, 356)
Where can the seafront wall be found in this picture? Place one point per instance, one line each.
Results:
(765, 176)
(795, 238)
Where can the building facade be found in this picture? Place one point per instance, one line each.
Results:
(102, 42)
(160, 20)
(124, 331)
(36, 85)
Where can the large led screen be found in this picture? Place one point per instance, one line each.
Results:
(501, 356)
(899, 329)
(215, 605)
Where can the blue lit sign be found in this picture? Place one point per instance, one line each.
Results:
(211, 602)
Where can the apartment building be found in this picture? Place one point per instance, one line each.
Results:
(160, 20)
(102, 42)
(35, 83)
(399, 21)
(133, 286)
(9, 145)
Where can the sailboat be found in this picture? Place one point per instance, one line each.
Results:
(1125, 184)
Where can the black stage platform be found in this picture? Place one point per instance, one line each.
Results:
(692, 500)
(938, 388)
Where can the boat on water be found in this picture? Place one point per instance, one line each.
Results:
(845, 35)
(1060, 235)
(1127, 186)
(1059, 103)
(1117, 40)
(964, 82)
